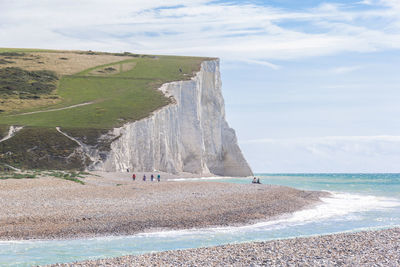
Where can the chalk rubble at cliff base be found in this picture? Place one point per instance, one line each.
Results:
(48, 208)
(370, 248)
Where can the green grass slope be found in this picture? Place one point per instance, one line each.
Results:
(88, 104)
(117, 98)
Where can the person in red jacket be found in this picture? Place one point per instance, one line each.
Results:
(134, 177)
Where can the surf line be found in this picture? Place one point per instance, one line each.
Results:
(335, 205)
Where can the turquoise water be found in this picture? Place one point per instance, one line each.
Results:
(359, 202)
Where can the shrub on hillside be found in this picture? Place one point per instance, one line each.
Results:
(18, 81)
(4, 61)
(12, 54)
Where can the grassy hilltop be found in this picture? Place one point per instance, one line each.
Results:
(85, 93)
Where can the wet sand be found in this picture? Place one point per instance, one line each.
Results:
(113, 204)
(370, 248)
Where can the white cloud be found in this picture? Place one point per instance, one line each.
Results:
(345, 69)
(366, 2)
(326, 139)
(262, 63)
(325, 154)
(258, 34)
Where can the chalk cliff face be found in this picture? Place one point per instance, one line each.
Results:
(190, 135)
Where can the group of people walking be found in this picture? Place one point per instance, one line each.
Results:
(144, 177)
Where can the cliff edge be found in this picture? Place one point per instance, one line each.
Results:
(189, 135)
(77, 110)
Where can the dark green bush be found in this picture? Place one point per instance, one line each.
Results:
(44, 148)
(4, 61)
(12, 54)
(110, 69)
(15, 80)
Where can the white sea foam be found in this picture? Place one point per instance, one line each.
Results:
(339, 206)
(201, 178)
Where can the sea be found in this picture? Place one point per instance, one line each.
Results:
(359, 202)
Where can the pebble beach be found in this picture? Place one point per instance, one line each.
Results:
(113, 204)
(369, 248)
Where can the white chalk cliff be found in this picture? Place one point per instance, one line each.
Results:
(189, 135)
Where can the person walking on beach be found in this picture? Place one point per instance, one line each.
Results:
(134, 177)
(151, 177)
(144, 177)
(158, 177)
(254, 180)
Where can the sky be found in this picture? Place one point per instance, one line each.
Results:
(309, 86)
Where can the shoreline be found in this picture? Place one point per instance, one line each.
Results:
(114, 205)
(365, 248)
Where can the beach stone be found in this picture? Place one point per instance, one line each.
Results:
(47, 208)
(368, 248)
